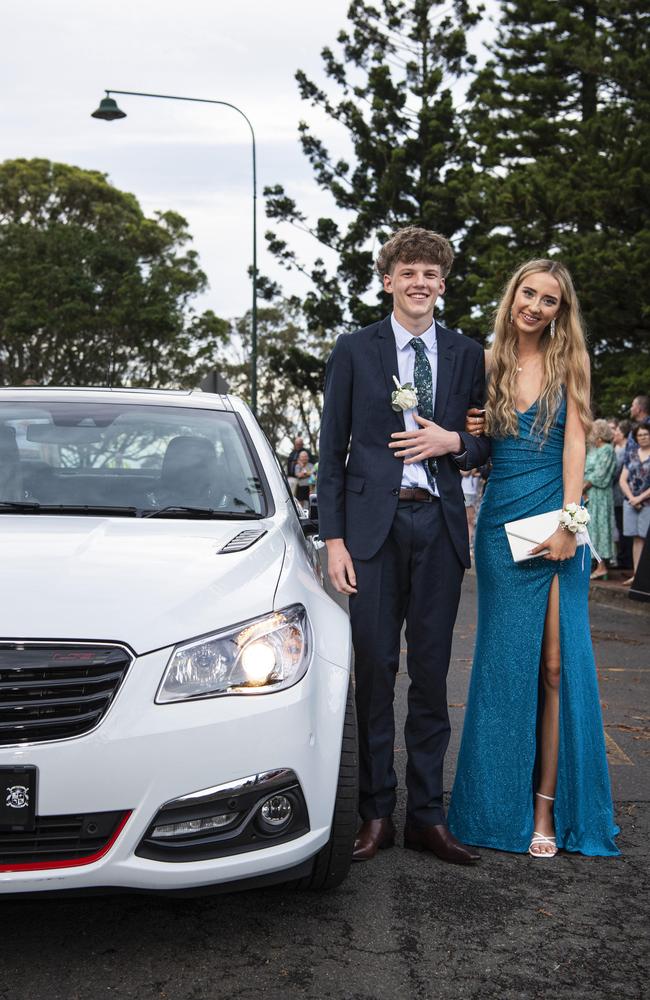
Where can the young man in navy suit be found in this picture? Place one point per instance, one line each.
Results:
(392, 512)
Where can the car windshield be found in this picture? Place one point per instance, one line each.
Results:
(132, 458)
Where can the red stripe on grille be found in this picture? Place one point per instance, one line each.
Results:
(75, 862)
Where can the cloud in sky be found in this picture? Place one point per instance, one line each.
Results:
(59, 57)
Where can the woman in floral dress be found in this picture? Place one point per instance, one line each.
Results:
(635, 484)
(600, 470)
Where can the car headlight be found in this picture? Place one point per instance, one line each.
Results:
(263, 655)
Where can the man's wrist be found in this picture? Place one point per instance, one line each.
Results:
(456, 446)
(333, 543)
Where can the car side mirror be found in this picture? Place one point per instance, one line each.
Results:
(310, 524)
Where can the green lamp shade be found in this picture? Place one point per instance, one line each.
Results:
(108, 110)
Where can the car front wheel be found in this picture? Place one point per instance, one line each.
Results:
(332, 862)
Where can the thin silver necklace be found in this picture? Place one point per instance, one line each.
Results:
(519, 367)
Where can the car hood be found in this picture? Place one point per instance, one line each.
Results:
(148, 583)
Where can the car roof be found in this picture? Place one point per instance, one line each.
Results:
(154, 397)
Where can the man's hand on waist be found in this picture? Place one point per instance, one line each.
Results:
(430, 441)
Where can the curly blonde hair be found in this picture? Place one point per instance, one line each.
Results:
(566, 363)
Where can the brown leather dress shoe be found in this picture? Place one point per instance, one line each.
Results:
(374, 835)
(440, 842)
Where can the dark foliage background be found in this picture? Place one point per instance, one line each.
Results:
(91, 291)
(542, 151)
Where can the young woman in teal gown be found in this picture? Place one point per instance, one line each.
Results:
(532, 772)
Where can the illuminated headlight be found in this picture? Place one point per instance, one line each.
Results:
(266, 654)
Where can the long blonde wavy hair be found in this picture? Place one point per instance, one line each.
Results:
(566, 363)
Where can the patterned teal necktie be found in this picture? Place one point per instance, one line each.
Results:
(423, 381)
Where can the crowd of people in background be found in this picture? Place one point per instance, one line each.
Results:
(302, 470)
(616, 487)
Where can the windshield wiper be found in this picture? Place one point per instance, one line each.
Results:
(15, 506)
(82, 508)
(173, 510)
(177, 510)
(32, 507)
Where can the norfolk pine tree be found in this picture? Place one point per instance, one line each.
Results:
(393, 72)
(559, 122)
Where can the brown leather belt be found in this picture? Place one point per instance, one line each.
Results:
(416, 493)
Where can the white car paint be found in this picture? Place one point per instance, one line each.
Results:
(149, 584)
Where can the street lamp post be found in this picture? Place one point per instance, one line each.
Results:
(109, 111)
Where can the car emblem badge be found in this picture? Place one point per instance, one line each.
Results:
(17, 796)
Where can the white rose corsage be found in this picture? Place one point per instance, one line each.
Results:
(404, 397)
(574, 518)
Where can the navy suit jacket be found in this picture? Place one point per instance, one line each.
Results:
(357, 499)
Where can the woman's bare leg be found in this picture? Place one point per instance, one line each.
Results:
(637, 549)
(471, 517)
(550, 727)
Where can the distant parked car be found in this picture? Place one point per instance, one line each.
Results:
(175, 698)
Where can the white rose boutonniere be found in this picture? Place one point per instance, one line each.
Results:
(404, 397)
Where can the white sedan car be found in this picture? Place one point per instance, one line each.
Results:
(175, 700)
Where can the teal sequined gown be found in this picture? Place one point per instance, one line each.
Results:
(493, 794)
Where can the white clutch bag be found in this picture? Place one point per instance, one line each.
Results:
(525, 534)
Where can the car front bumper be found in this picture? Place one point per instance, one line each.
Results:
(144, 755)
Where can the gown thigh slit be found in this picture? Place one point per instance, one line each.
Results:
(492, 802)
(548, 655)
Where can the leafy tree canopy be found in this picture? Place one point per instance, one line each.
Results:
(290, 371)
(541, 152)
(559, 121)
(92, 291)
(394, 69)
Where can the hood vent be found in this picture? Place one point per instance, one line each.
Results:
(244, 540)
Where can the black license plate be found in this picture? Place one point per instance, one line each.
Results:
(18, 798)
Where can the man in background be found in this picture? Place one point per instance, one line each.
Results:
(639, 414)
(298, 446)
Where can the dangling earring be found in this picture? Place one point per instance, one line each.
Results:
(510, 317)
(552, 328)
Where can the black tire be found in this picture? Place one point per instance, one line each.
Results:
(332, 863)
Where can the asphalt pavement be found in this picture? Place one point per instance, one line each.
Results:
(402, 926)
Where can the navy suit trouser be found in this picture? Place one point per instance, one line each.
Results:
(415, 578)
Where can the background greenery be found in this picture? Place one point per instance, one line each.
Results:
(542, 151)
(91, 291)
(539, 151)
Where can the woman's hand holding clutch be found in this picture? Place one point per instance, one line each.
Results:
(559, 546)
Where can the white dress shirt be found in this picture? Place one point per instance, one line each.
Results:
(415, 475)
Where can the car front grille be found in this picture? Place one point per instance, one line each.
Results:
(61, 841)
(51, 692)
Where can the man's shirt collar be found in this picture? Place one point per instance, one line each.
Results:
(403, 338)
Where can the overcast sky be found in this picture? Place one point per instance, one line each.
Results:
(58, 58)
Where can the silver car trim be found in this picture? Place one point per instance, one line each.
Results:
(252, 781)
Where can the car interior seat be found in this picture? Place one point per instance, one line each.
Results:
(189, 472)
(11, 480)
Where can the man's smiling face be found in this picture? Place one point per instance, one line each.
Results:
(415, 288)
